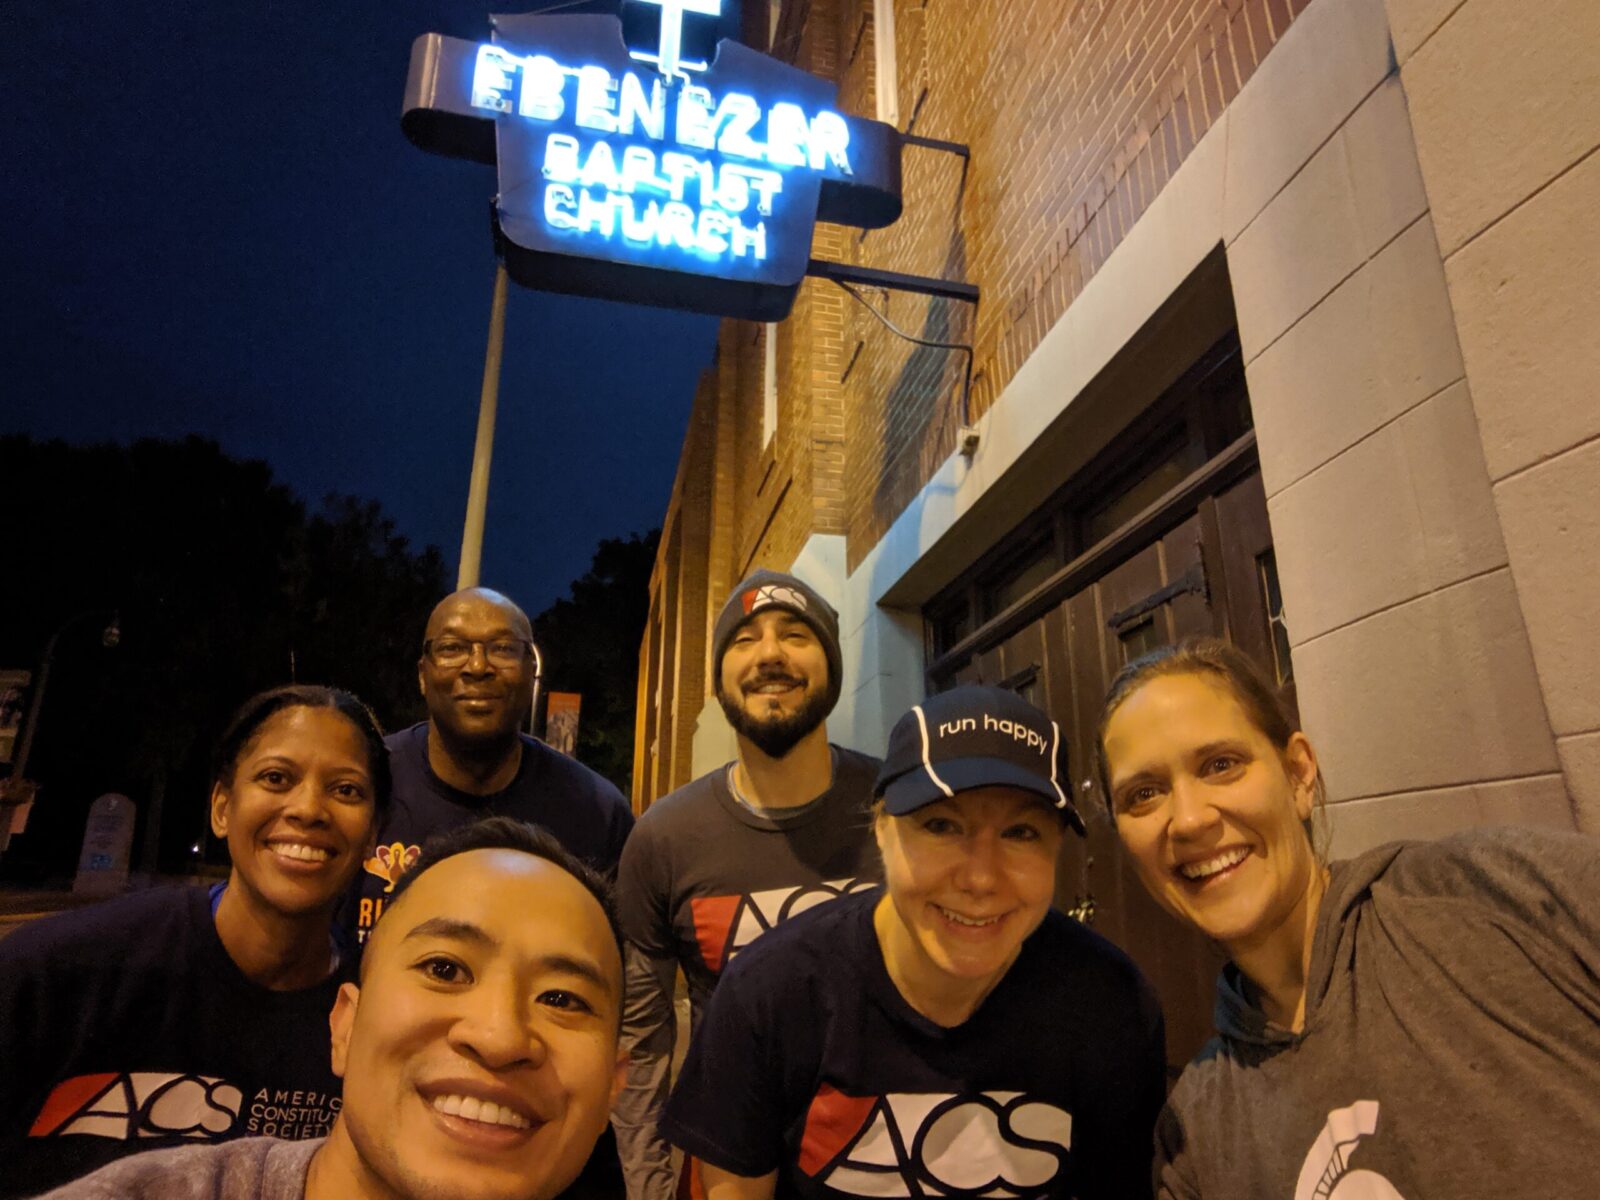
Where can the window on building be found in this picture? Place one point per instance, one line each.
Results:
(1195, 419)
(1157, 472)
(769, 384)
(1035, 561)
(1139, 638)
(885, 68)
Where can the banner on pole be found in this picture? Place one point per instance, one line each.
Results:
(561, 722)
(13, 703)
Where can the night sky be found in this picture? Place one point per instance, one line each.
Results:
(213, 225)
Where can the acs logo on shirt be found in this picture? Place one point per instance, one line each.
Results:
(725, 925)
(129, 1105)
(935, 1144)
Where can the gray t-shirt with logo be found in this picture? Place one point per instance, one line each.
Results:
(701, 878)
(1451, 1046)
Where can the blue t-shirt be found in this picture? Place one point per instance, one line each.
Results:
(810, 1062)
(582, 809)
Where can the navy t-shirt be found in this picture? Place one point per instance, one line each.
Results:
(125, 1026)
(584, 811)
(811, 1063)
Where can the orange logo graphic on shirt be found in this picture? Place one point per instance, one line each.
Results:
(725, 925)
(392, 861)
(992, 1144)
(140, 1104)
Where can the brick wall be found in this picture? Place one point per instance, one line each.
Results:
(1077, 113)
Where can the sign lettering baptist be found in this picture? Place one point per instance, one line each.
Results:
(689, 184)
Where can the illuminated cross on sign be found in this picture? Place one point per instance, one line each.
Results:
(669, 61)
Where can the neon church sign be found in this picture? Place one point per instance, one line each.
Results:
(644, 173)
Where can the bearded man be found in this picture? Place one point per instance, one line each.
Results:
(718, 862)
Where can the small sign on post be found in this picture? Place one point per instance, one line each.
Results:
(107, 839)
(561, 722)
(13, 702)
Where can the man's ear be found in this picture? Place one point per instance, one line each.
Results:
(219, 810)
(422, 682)
(340, 1021)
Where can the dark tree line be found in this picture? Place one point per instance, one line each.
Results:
(224, 583)
(591, 645)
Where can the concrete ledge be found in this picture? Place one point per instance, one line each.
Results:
(1433, 693)
(1580, 762)
(1333, 54)
(1359, 825)
(1551, 517)
(1383, 341)
(1524, 296)
(1403, 512)
(1504, 97)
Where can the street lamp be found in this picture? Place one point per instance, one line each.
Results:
(18, 792)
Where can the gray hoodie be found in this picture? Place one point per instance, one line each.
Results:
(1451, 1048)
(260, 1168)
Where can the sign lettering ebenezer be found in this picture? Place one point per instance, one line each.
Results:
(643, 174)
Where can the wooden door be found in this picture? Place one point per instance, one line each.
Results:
(1206, 576)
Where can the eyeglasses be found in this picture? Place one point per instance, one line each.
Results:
(449, 652)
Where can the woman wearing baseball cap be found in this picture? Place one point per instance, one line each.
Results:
(948, 1034)
(1420, 1020)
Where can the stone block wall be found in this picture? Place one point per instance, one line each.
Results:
(1505, 102)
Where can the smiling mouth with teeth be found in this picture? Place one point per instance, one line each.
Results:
(301, 852)
(969, 922)
(487, 1112)
(1214, 865)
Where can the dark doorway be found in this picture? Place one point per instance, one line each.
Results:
(1163, 536)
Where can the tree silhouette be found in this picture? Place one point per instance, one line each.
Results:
(591, 645)
(225, 585)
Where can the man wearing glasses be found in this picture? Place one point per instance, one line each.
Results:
(470, 759)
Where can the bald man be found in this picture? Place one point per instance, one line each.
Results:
(469, 759)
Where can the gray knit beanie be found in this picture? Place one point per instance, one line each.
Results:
(774, 589)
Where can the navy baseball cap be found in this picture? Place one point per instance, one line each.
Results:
(973, 737)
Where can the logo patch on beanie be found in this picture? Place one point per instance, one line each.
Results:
(772, 593)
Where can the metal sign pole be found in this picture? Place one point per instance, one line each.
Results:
(483, 450)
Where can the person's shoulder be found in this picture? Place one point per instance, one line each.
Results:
(408, 765)
(1072, 952)
(572, 774)
(403, 741)
(255, 1167)
(1211, 1073)
(857, 764)
(687, 803)
(811, 945)
(99, 934)
(1488, 862)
